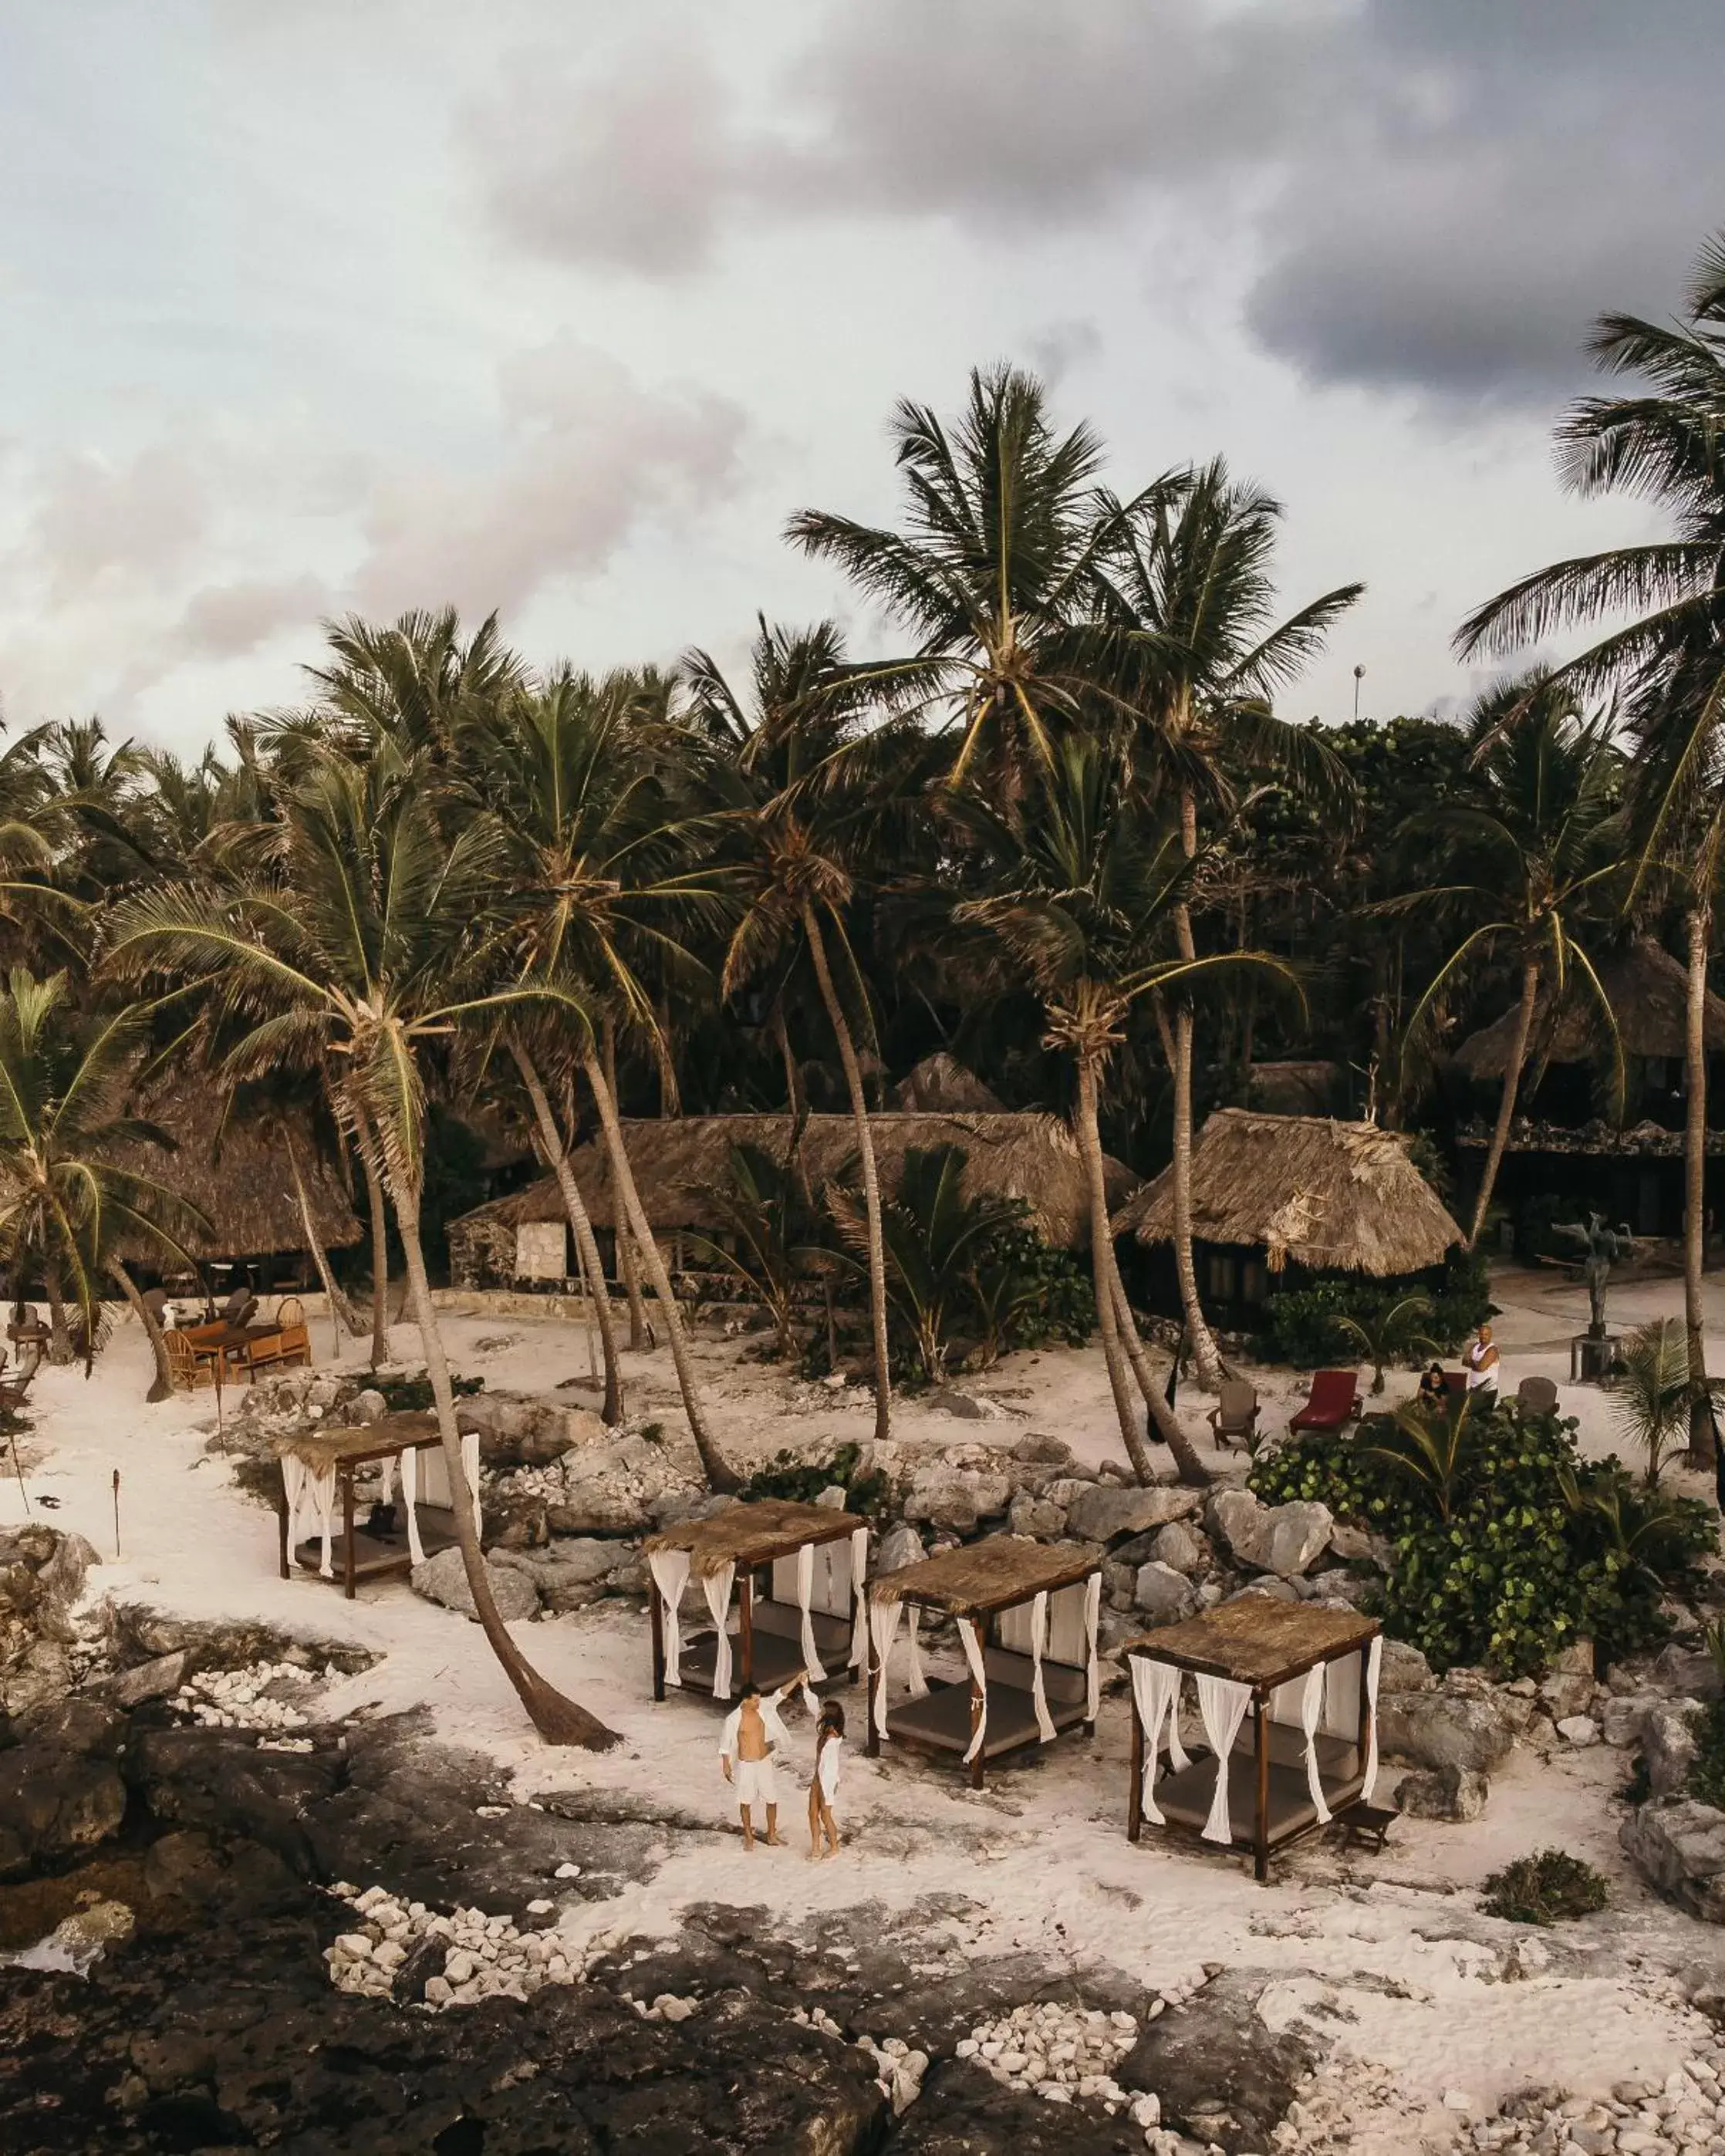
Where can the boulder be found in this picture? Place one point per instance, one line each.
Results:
(1284, 1539)
(1453, 1795)
(515, 1430)
(1445, 1729)
(1037, 1517)
(1575, 1660)
(1565, 1693)
(1100, 1512)
(1579, 1730)
(1336, 1585)
(367, 1406)
(1162, 1593)
(900, 1546)
(1668, 1742)
(1179, 1547)
(969, 1407)
(159, 1678)
(41, 1574)
(957, 1497)
(1620, 1720)
(614, 1488)
(570, 1574)
(1350, 1545)
(1679, 1846)
(1688, 1672)
(1266, 1590)
(1038, 1445)
(442, 1579)
(1222, 2074)
(61, 1790)
(1404, 1669)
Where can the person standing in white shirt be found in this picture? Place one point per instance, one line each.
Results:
(751, 1734)
(824, 1783)
(1481, 1360)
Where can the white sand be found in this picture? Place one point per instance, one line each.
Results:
(1386, 1957)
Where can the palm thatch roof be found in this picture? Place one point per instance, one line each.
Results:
(676, 1158)
(753, 1534)
(941, 1085)
(1293, 1088)
(997, 1573)
(1648, 990)
(1325, 1193)
(1255, 1640)
(236, 1173)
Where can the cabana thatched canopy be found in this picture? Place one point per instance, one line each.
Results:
(980, 1577)
(1032, 1157)
(1648, 991)
(235, 1170)
(1325, 1193)
(1255, 1640)
(751, 1535)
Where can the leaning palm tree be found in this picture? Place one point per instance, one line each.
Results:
(1535, 863)
(373, 940)
(68, 1205)
(1086, 889)
(1193, 655)
(597, 891)
(1666, 662)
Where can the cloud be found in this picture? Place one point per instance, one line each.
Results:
(593, 457)
(223, 621)
(99, 520)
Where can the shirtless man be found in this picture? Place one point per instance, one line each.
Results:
(752, 1732)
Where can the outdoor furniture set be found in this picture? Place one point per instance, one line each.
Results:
(319, 1471)
(235, 1342)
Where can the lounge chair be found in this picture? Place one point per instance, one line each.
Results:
(1334, 1400)
(1234, 1420)
(239, 1308)
(1538, 1396)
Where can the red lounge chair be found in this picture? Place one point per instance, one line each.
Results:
(1335, 1401)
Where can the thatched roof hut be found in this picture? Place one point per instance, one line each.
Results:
(1648, 991)
(236, 1173)
(941, 1085)
(1325, 1194)
(676, 1159)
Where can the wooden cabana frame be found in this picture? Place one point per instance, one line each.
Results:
(1008, 1703)
(1262, 1645)
(777, 1634)
(319, 1469)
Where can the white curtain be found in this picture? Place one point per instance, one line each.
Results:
(915, 1682)
(471, 1468)
(805, 1596)
(717, 1588)
(1092, 1619)
(1312, 1708)
(1222, 1703)
(859, 1599)
(883, 1624)
(408, 1463)
(1156, 1694)
(304, 1487)
(970, 1634)
(1374, 1657)
(670, 1568)
(1039, 1641)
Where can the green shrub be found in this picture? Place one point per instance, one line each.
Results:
(1026, 1293)
(1515, 1548)
(1707, 1777)
(1302, 1327)
(802, 1481)
(1546, 1888)
(412, 1395)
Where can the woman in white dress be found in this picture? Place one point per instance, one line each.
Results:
(824, 1783)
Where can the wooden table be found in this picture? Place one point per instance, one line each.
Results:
(364, 1555)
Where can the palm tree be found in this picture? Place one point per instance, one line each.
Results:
(812, 799)
(68, 1205)
(1667, 662)
(1086, 889)
(1193, 658)
(1534, 861)
(597, 891)
(995, 573)
(414, 682)
(1649, 1397)
(374, 940)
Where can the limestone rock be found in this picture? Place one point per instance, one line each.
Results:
(1284, 1539)
(60, 1791)
(1404, 1669)
(515, 1430)
(1178, 1548)
(1162, 1593)
(1689, 1673)
(573, 1574)
(1669, 1744)
(1038, 1445)
(159, 1678)
(615, 1486)
(1445, 1729)
(1336, 1585)
(1270, 1589)
(967, 1407)
(1455, 1795)
(442, 1579)
(1100, 1512)
(1037, 1517)
(1579, 1730)
(367, 1406)
(1679, 1845)
(957, 1497)
(1620, 1720)
(1351, 1545)
(900, 1546)
(1565, 1693)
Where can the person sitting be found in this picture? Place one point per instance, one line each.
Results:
(1434, 1392)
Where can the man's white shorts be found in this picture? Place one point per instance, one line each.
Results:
(755, 1782)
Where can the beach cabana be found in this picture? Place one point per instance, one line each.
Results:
(807, 1612)
(1026, 1614)
(1307, 1677)
(318, 1473)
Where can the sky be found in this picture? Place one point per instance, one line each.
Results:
(562, 309)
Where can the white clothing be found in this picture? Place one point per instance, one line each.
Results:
(826, 1766)
(777, 1737)
(1480, 1372)
(755, 1782)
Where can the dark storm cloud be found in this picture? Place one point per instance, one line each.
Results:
(1435, 195)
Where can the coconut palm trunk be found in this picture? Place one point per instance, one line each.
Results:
(162, 1387)
(1190, 1468)
(871, 1178)
(1507, 1106)
(580, 1226)
(59, 1334)
(369, 1168)
(342, 1312)
(629, 1263)
(1206, 1358)
(558, 1720)
(1101, 1259)
(720, 1473)
(1701, 1443)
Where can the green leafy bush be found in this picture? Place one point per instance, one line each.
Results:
(412, 1395)
(1505, 1545)
(802, 1481)
(1548, 1888)
(1026, 1293)
(1304, 1325)
(1707, 1777)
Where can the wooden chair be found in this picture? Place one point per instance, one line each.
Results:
(1334, 1400)
(191, 1368)
(290, 1343)
(1234, 1420)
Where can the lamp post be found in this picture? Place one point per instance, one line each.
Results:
(1359, 676)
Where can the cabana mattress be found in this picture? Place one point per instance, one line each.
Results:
(941, 1718)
